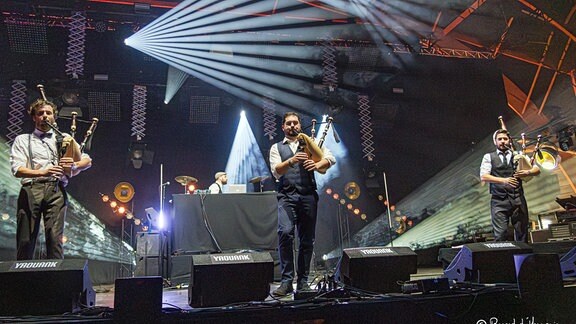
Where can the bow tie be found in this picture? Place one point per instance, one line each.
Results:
(45, 135)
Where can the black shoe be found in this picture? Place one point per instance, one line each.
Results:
(284, 289)
(303, 286)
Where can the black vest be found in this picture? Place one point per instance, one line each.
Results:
(499, 169)
(296, 178)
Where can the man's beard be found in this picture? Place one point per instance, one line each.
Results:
(292, 132)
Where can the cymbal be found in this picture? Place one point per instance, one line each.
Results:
(185, 179)
(258, 179)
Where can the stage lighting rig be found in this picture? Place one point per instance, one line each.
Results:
(566, 139)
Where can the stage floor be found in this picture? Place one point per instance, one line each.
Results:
(467, 303)
(177, 297)
(541, 297)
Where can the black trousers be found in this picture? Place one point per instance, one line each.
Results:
(41, 201)
(296, 211)
(506, 210)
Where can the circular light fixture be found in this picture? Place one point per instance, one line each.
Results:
(547, 157)
(124, 192)
(352, 190)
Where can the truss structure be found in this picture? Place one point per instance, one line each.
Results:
(76, 40)
(269, 117)
(139, 111)
(365, 127)
(16, 109)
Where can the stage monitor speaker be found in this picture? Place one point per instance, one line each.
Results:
(539, 278)
(138, 299)
(487, 262)
(568, 264)
(221, 279)
(45, 287)
(377, 269)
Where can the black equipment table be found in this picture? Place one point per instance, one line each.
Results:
(246, 221)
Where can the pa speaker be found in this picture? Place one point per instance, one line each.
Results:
(149, 244)
(488, 262)
(138, 299)
(149, 266)
(221, 279)
(377, 269)
(45, 287)
(539, 277)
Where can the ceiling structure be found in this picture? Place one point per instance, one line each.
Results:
(385, 50)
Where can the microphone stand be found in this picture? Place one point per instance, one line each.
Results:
(164, 242)
(388, 209)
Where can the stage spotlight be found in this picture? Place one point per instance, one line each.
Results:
(566, 139)
(64, 239)
(547, 157)
(139, 155)
(335, 196)
(329, 191)
(137, 221)
(363, 217)
(113, 204)
(71, 97)
(5, 216)
(190, 187)
(121, 210)
(371, 175)
(129, 215)
(356, 211)
(67, 111)
(105, 198)
(349, 206)
(342, 201)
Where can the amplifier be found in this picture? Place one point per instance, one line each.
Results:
(566, 215)
(562, 231)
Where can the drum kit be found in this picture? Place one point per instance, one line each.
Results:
(186, 181)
